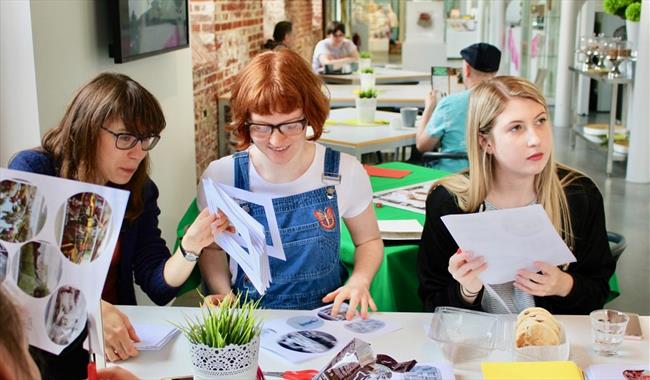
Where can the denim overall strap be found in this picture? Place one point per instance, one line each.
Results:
(241, 170)
(310, 233)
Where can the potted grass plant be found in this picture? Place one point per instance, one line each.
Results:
(367, 78)
(366, 104)
(365, 60)
(224, 339)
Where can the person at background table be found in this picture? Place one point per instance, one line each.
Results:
(274, 99)
(104, 138)
(282, 36)
(511, 164)
(443, 125)
(16, 361)
(335, 49)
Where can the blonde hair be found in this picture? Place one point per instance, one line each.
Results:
(487, 101)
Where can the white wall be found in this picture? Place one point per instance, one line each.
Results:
(18, 106)
(71, 47)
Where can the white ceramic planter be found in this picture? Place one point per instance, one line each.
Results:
(233, 362)
(366, 108)
(364, 63)
(367, 81)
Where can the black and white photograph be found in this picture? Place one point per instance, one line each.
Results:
(39, 268)
(65, 316)
(308, 341)
(4, 257)
(22, 211)
(85, 218)
(361, 326)
(305, 322)
(326, 313)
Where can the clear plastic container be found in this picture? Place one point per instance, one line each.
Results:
(465, 335)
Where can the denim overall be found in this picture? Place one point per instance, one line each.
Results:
(309, 229)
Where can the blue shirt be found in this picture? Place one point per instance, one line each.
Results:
(448, 124)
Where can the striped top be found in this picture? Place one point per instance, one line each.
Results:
(516, 300)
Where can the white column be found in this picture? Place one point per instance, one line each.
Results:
(497, 23)
(587, 18)
(19, 127)
(638, 159)
(566, 51)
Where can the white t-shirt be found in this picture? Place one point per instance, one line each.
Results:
(354, 193)
(325, 46)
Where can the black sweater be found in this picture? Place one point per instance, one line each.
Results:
(591, 272)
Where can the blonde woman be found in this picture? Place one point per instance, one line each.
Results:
(511, 164)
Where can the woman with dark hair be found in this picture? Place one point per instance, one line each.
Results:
(282, 36)
(279, 111)
(104, 138)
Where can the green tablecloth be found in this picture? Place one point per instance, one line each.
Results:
(395, 285)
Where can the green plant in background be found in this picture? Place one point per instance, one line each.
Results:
(633, 12)
(232, 322)
(368, 70)
(368, 94)
(617, 7)
(365, 54)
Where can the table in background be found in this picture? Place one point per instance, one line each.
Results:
(340, 134)
(408, 343)
(382, 75)
(395, 285)
(577, 129)
(396, 95)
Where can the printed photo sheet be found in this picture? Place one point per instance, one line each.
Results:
(314, 333)
(57, 238)
(411, 197)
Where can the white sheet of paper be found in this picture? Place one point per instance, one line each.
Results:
(153, 337)
(509, 240)
(71, 228)
(247, 245)
(406, 229)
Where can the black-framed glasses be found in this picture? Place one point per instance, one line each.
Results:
(262, 130)
(126, 141)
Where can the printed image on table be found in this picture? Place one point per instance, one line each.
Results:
(423, 372)
(412, 198)
(326, 313)
(85, 220)
(361, 326)
(22, 211)
(4, 257)
(65, 317)
(39, 268)
(302, 322)
(308, 341)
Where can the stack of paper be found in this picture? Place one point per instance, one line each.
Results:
(153, 337)
(407, 229)
(247, 245)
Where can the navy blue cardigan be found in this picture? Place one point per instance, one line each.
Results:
(143, 250)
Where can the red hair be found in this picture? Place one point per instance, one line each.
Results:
(278, 81)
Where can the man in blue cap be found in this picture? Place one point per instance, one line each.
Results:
(446, 127)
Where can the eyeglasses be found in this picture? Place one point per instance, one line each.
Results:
(126, 141)
(261, 130)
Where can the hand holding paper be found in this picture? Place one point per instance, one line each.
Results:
(509, 240)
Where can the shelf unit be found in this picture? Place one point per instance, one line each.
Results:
(576, 128)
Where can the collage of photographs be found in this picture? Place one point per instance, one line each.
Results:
(412, 197)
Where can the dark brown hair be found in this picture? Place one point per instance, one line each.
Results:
(105, 99)
(333, 27)
(278, 81)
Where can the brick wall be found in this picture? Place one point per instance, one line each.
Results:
(225, 34)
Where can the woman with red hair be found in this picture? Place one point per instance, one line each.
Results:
(277, 102)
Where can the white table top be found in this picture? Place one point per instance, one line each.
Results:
(357, 136)
(396, 95)
(408, 343)
(382, 75)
